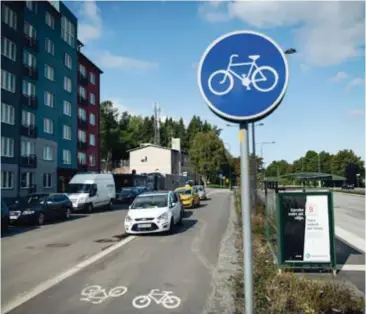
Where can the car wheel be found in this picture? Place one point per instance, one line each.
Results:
(171, 227)
(89, 208)
(40, 219)
(110, 205)
(181, 217)
(5, 225)
(67, 213)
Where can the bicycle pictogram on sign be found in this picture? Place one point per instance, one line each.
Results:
(164, 298)
(96, 294)
(255, 76)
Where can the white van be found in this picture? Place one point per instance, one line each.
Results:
(89, 191)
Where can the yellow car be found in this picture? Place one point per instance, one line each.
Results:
(188, 196)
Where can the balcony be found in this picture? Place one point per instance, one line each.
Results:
(82, 123)
(31, 72)
(28, 130)
(30, 101)
(82, 145)
(82, 167)
(82, 101)
(31, 42)
(29, 161)
(82, 79)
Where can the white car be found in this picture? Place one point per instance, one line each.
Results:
(201, 192)
(153, 212)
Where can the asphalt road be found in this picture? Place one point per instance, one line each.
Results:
(182, 263)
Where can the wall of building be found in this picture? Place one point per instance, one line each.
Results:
(156, 158)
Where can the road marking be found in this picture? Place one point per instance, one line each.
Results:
(346, 267)
(96, 294)
(164, 298)
(351, 239)
(55, 280)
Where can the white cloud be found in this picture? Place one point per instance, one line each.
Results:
(339, 77)
(357, 112)
(358, 81)
(326, 32)
(90, 26)
(108, 60)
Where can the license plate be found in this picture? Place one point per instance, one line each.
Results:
(14, 217)
(144, 225)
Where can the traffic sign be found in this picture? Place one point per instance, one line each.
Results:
(243, 76)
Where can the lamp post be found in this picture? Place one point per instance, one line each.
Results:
(265, 143)
(229, 148)
(254, 166)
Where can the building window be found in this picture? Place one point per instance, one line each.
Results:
(7, 114)
(92, 139)
(92, 119)
(9, 17)
(67, 132)
(82, 92)
(91, 160)
(28, 59)
(30, 31)
(31, 5)
(7, 180)
(67, 108)
(7, 147)
(92, 78)
(47, 180)
(50, 46)
(66, 157)
(8, 48)
(26, 179)
(68, 31)
(68, 61)
(49, 72)
(92, 98)
(49, 99)
(82, 114)
(8, 81)
(67, 84)
(48, 126)
(82, 70)
(82, 136)
(82, 158)
(48, 153)
(50, 20)
(28, 118)
(27, 148)
(29, 89)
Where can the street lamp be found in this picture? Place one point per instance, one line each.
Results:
(290, 51)
(265, 143)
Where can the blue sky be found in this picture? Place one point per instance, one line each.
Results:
(149, 52)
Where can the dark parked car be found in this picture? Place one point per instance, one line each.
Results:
(127, 195)
(38, 208)
(347, 186)
(4, 217)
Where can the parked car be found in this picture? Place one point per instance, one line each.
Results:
(201, 191)
(4, 217)
(38, 208)
(348, 186)
(127, 195)
(153, 212)
(189, 196)
(91, 190)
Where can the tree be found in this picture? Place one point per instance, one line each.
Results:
(207, 154)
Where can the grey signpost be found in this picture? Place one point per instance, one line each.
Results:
(243, 98)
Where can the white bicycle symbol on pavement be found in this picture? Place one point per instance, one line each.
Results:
(164, 297)
(96, 294)
(254, 76)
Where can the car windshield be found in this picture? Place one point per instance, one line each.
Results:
(33, 199)
(200, 188)
(150, 201)
(126, 190)
(184, 192)
(78, 188)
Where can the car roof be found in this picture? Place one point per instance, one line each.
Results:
(187, 187)
(154, 193)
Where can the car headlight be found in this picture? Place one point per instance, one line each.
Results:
(164, 216)
(28, 212)
(128, 218)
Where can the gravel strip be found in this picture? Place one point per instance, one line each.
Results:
(221, 300)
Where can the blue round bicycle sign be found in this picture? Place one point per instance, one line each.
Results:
(243, 76)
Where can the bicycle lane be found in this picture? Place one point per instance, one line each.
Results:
(181, 263)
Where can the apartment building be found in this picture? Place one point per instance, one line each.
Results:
(88, 114)
(39, 96)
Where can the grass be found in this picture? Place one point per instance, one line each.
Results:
(285, 292)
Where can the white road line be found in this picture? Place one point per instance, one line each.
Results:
(55, 280)
(346, 267)
(351, 239)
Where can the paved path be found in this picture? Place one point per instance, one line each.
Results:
(182, 263)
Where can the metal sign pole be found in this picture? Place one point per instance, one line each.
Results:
(246, 219)
(254, 169)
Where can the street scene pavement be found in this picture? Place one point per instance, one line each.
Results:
(182, 263)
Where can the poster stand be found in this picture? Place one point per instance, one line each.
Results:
(305, 221)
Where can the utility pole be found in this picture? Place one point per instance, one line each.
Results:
(254, 166)
(156, 124)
